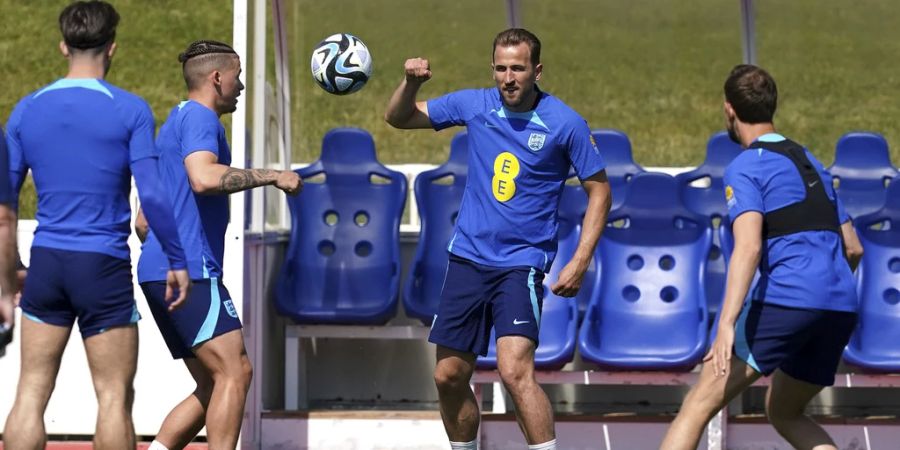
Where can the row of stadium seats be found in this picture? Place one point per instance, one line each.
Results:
(655, 284)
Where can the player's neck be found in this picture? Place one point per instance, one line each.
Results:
(529, 103)
(204, 99)
(86, 67)
(749, 133)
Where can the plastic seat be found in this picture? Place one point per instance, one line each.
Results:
(343, 261)
(559, 315)
(875, 345)
(862, 166)
(615, 148)
(438, 195)
(703, 192)
(649, 312)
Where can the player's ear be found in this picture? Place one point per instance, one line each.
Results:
(64, 49)
(111, 50)
(538, 70)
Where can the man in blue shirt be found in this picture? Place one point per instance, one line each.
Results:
(194, 163)
(797, 318)
(83, 138)
(8, 253)
(522, 142)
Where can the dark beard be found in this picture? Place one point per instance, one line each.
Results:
(733, 136)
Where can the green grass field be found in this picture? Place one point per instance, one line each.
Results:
(653, 68)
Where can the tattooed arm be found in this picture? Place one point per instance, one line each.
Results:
(209, 177)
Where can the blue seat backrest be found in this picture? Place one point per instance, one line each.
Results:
(875, 342)
(862, 166)
(438, 195)
(650, 310)
(343, 260)
(703, 192)
(615, 148)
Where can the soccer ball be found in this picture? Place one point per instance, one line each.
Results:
(341, 64)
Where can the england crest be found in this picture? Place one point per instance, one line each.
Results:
(536, 141)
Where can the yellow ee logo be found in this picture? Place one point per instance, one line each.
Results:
(506, 169)
(729, 193)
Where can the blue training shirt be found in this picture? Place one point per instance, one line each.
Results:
(799, 270)
(202, 219)
(79, 137)
(6, 196)
(518, 164)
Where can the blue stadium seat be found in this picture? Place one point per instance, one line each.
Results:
(875, 344)
(559, 317)
(703, 192)
(649, 312)
(343, 261)
(862, 167)
(438, 195)
(615, 147)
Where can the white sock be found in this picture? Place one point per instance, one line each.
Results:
(549, 445)
(471, 445)
(155, 445)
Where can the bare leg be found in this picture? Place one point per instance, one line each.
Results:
(515, 361)
(112, 357)
(226, 362)
(786, 400)
(459, 409)
(42, 349)
(187, 419)
(705, 399)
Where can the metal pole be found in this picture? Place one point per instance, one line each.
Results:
(748, 31)
(513, 17)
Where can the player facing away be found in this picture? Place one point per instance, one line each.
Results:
(798, 317)
(522, 142)
(194, 164)
(83, 139)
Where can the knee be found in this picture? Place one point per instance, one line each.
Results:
(111, 396)
(515, 376)
(449, 378)
(239, 373)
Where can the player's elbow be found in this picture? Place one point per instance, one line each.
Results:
(854, 251)
(393, 120)
(205, 185)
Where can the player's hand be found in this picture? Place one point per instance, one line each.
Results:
(720, 352)
(178, 286)
(21, 275)
(8, 310)
(569, 281)
(289, 182)
(417, 70)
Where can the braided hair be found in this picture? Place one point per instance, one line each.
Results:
(204, 47)
(202, 57)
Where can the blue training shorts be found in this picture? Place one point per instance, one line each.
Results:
(208, 312)
(94, 288)
(476, 298)
(806, 344)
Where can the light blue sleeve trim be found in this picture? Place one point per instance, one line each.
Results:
(212, 316)
(86, 83)
(32, 317)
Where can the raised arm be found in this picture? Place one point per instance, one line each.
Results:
(208, 177)
(403, 111)
(599, 201)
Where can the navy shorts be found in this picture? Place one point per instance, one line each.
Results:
(94, 288)
(208, 312)
(476, 298)
(806, 344)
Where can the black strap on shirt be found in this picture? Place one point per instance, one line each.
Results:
(816, 212)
